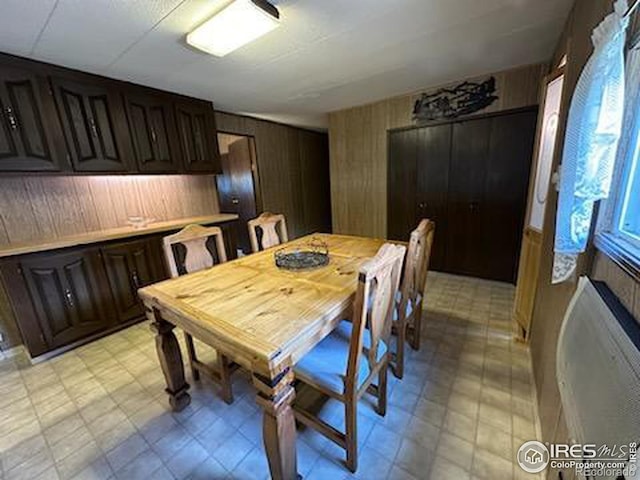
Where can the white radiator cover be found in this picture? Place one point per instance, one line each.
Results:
(598, 372)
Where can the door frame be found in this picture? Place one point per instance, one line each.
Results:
(257, 192)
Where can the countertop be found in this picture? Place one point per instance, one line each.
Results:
(110, 234)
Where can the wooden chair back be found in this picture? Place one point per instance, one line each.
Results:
(378, 282)
(416, 266)
(198, 257)
(273, 230)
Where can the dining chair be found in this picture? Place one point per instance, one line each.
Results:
(272, 229)
(345, 363)
(187, 251)
(407, 315)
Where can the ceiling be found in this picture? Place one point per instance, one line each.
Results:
(325, 56)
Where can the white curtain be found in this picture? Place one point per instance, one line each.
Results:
(591, 140)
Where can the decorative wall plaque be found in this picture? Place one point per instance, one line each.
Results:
(466, 98)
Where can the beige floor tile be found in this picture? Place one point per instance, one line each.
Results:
(494, 440)
(488, 466)
(443, 469)
(456, 450)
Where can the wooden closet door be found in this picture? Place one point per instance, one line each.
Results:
(505, 192)
(467, 174)
(434, 155)
(401, 184)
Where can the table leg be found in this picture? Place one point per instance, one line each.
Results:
(171, 362)
(275, 396)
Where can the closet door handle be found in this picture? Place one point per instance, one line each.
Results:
(11, 118)
(69, 296)
(94, 128)
(135, 279)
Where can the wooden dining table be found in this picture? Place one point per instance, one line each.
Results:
(263, 318)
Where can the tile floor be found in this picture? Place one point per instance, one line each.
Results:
(99, 412)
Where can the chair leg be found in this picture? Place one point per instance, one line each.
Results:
(351, 424)
(401, 336)
(191, 353)
(226, 391)
(414, 340)
(382, 390)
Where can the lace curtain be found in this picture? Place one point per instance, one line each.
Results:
(591, 140)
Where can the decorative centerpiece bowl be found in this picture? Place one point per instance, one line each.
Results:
(300, 257)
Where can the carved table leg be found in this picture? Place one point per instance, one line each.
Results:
(278, 428)
(171, 362)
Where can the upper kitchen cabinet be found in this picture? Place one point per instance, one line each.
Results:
(198, 139)
(30, 135)
(95, 126)
(153, 128)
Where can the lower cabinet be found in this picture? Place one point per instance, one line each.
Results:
(68, 296)
(130, 266)
(62, 298)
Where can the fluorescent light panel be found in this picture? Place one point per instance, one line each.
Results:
(237, 24)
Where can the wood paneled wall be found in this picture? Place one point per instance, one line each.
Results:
(552, 300)
(293, 168)
(358, 148)
(42, 207)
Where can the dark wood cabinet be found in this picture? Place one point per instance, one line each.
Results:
(470, 177)
(68, 297)
(30, 135)
(153, 129)
(130, 266)
(57, 119)
(95, 127)
(198, 139)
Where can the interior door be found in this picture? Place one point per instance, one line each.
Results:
(197, 134)
(238, 194)
(154, 133)
(95, 126)
(505, 192)
(467, 173)
(130, 266)
(434, 155)
(66, 296)
(30, 136)
(401, 181)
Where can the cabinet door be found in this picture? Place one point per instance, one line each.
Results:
(434, 156)
(30, 136)
(131, 266)
(154, 134)
(198, 137)
(467, 173)
(401, 194)
(67, 297)
(95, 126)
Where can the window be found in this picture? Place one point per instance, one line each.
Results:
(628, 219)
(619, 219)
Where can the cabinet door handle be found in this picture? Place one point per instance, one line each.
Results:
(11, 118)
(154, 138)
(136, 280)
(422, 205)
(94, 128)
(235, 201)
(67, 293)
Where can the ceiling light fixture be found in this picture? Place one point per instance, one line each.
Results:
(237, 24)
